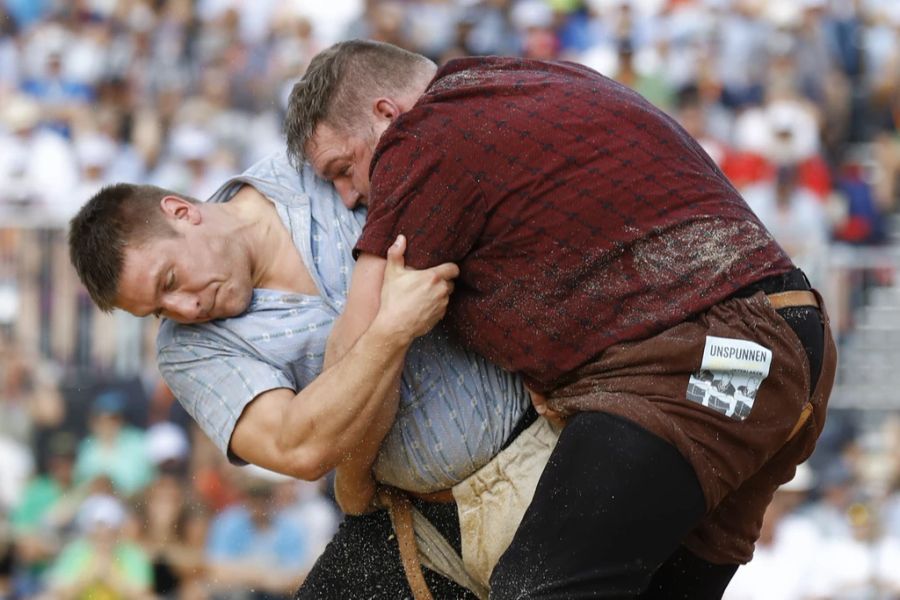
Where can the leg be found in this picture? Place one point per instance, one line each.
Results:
(613, 503)
(686, 576)
(363, 560)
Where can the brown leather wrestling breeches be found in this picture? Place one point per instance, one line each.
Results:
(729, 389)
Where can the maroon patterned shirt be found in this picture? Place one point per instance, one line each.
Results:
(579, 214)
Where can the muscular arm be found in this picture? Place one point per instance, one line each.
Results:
(350, 406)
(354, 484)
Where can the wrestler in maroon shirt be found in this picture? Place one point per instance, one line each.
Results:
(599, 249)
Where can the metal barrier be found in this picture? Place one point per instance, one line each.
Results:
(44, 310)
(863, 295)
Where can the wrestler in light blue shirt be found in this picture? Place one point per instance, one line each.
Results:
(456, 409)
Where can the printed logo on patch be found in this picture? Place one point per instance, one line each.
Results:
(729, 376)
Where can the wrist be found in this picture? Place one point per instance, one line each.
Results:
(385, 333)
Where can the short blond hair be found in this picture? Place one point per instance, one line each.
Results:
(340, 82)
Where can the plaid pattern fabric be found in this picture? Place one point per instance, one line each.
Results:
(580, 214)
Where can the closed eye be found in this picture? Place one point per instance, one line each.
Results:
(170, 282)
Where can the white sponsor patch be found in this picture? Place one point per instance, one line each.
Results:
(729, 376)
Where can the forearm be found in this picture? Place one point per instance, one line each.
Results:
(346, 412)
(349, 408)
(354, 484)
(344, 334)
(354, 488)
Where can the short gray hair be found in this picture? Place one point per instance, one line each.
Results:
(339, 82)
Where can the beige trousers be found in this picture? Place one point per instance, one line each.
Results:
(492, 502)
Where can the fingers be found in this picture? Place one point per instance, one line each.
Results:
(412, 300)
(539, 401)
(395, 253)
(446, 271)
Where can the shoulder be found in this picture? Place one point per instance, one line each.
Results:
(177, 336)
(277, 170)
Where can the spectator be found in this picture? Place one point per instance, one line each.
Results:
(795, 217)
(255, 552)
(742, 54)
(862, 218)
(696, 114)
(27, 154)
(100, 563)
(45, 514)
(113, 448)
(831, 514)
(94, 153)
(168, 448)
(304, 503)
(786, 552)
(192, 166)
(16, 467)
(862, 565)
(172, 532)
(60, 97)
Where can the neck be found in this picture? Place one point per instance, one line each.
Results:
(274, 261)
(254, 224)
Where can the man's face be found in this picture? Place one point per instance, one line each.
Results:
(344, 159)
(191, 278)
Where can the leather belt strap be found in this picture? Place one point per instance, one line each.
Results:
(438, 497)
(789, 299)
(792, 298)
(801, 420)
(400, 510)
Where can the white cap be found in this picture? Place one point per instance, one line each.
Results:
(532, 13)
(784, 14)
(20, 112)
(100, 510)
(791, 118)
(191, 143)
(166, 441)
(94, 150)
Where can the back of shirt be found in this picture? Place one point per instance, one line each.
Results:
(580, 214)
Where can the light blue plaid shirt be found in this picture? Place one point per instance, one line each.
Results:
(456, 409)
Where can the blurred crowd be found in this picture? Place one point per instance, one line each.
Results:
(106, 489)
(108, 493)
(797, 100)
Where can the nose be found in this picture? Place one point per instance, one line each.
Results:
(346, 190)
(184, 308)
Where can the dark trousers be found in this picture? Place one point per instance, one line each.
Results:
(610, 509)
(362, 562)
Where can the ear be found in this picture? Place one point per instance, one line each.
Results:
(174, 207)
(386, 108)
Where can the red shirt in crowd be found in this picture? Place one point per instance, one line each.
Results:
(579, 214)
